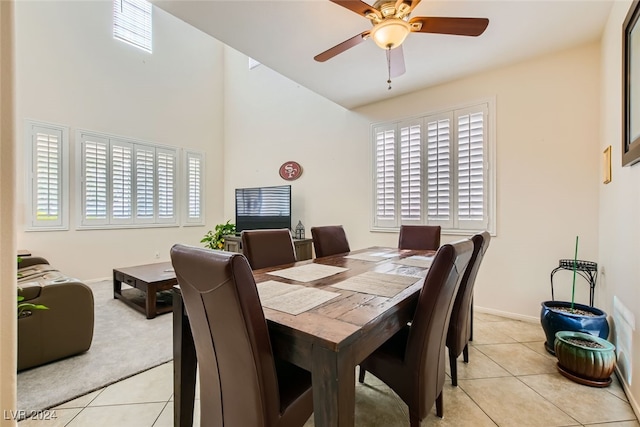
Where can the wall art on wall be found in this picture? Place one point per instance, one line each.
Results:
(606, 165)
(290, 171)
(631, 89)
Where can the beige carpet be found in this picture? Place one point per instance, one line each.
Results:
(124, 344)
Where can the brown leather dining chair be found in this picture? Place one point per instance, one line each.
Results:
(329, 240)
(459, 333)
(412, 362)
(268, 248)
(241, 382)
(425, 237)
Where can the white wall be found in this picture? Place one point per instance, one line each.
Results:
(619, 209)
(71, 71)
(8, 319)
(547, 162)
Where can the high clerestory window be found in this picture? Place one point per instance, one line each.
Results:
(436, 169)
(132, 23)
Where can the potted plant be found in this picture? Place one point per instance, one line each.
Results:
(569, 316)
(215, 239)
(584, 358)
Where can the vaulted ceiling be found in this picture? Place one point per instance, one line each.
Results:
(285, 35)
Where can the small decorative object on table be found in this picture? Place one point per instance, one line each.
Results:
(299, 231)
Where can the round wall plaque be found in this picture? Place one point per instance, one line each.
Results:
(290, 171)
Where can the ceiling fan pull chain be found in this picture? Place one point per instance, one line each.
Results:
(389, 66)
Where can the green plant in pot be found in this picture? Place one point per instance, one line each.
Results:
(214, 239)
(570, 316)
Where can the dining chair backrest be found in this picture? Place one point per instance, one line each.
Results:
(238, 382)
(426, 237)
(425, 352)
(268, 248)
(329, 240)
(459, 332)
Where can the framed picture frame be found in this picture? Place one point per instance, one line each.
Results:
(606, 165)
(631, 86)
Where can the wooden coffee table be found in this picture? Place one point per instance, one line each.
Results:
(150, 279)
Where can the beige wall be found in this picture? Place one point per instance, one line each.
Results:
(7, 236)
(72, 72)
(547, 162)
(619, 205)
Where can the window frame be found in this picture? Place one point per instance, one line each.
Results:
(187, 219)
(453, 225)
(32, 223)
(110, 221)
(141, 25)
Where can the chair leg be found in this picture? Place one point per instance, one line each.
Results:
(439, 406)
(454, 368)
(414, 421)
(465, 353)
(361, 375)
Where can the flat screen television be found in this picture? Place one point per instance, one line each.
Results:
(263, 207)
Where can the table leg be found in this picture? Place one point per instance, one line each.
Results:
(150, 301)
(184, 366)
(334, 388)
(117, 286)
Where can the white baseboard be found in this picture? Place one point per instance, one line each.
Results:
(627, 392)
(506, 314)
(90, 281)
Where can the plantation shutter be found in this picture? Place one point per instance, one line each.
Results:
(121, 182)
(166, 168)
(471, 180)
(410, 173)
(195, 187)
(438, 168)
(144, 184)
(46, 176)
(385, 181)
(95, 177)
(132, 22)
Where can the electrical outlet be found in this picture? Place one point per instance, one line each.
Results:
(157, 255)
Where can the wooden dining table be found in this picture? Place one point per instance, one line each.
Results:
(329, 340)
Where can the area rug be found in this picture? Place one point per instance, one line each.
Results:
(124, 343)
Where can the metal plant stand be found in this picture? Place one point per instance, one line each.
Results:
(587, 269)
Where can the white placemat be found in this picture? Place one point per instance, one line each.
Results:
(383, 284)
(372, 256)
(416, 261)
(292, 299)
(308, 272)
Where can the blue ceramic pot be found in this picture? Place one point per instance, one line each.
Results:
(554, 320)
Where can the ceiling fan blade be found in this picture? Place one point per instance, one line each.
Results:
(341, 47)
(396, 62)
(456, 26)
(358, 6)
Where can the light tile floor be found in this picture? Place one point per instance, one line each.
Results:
(510, 380)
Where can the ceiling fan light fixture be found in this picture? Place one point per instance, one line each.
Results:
(390, 33)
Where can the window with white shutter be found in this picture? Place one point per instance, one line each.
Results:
(194, 179)
(126, 183)
(132, 23)
(435, 169)
(47, 166)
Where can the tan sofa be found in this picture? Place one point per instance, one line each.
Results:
(66, 328)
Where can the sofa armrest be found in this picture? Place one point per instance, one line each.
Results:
(31, 260)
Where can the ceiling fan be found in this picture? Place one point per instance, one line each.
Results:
(391, 25)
